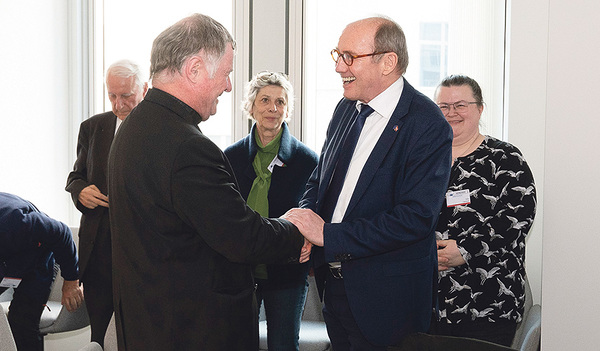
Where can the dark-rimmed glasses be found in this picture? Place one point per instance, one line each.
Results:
(349, 58)
(459, 106)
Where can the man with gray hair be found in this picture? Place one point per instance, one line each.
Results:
(184, 240)
(87, 184)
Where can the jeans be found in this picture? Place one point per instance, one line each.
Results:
(283, 308)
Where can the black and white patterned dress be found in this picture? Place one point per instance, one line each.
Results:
(490, 232)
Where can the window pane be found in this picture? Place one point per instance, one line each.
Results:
(443, 36)
(131, 26)
(431, 65)
(431, 31)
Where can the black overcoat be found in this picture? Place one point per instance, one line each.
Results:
(184, 240)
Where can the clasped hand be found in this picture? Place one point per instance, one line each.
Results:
(448, 255)
(309, 224)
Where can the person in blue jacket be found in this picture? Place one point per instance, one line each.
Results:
(30, 242)
(272, 168)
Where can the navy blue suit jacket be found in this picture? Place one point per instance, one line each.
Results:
(288, 184)
(30, 241)
(386, 241)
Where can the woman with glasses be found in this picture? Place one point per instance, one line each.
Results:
(489, 209)
(272, 168)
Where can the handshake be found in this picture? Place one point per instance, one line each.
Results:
(310, 226)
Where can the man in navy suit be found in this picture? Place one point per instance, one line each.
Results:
(375, 255)
(87, 182)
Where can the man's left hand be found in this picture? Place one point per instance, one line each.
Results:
(72, 295)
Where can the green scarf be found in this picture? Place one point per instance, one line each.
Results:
(258, 196)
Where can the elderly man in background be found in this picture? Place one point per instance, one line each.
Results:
(184, 240)
(87, 184)
(30, 242)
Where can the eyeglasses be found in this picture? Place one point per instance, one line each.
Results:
(349, 58)
(459, 106)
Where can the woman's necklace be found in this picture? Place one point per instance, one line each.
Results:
(466, 151)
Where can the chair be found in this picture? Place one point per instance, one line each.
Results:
(313, 333)
(7, 342)
(56, 319)
(426, 342)
(527, 336)
(92, 346)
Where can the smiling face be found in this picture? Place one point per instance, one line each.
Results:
(269, 110)
(464, 124)
(366, 77)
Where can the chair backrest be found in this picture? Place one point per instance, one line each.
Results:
(92, 346)
(7, 342)
(527, 335)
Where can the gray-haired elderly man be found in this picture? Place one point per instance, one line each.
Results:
(87, 183)
(184, 240)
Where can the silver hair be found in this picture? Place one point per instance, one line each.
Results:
(127, 69)
(194, 35)
(262, 80)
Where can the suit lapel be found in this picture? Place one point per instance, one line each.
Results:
(104, 141)
(383, 146)
(334, 149)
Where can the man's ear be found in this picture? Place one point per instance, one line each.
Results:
(194, 68)
(390, 61)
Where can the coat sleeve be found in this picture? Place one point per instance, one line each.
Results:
(206, 197)
(57, 237)
(78, 178)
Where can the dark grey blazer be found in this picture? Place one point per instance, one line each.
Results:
(93, 144)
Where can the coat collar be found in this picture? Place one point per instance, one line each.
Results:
(172, 103)
(286, 149)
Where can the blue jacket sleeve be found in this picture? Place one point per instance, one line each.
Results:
(57, 237)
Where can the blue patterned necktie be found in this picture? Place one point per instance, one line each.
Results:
(341, 167)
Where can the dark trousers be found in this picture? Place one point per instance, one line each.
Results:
(28, 303)
(341, 325)
(97, 284)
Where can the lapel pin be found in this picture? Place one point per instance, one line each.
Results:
(395, 128)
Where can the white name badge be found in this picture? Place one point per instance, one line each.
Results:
(459, 197)
(9, 282)
(276, 162)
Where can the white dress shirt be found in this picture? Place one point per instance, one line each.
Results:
(119, 121)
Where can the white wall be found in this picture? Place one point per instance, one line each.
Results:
(34, 133)
(570, 278)
(525, 109)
